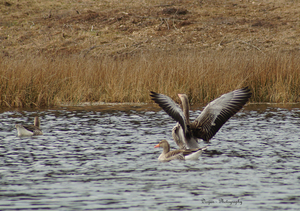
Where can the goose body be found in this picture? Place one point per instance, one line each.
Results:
(186, 134)
(179, 154)
(30, 130)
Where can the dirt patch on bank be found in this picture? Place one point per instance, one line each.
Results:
(91, 28)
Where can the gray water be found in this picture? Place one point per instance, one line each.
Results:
(103, 157)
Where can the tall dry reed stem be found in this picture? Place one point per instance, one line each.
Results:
(42, 81)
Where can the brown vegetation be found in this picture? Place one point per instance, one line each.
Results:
(117, 51)
(41, 81)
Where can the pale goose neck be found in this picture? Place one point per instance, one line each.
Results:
(166, 148)
(185, 106)
(36, 122)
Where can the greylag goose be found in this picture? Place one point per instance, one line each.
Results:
(179, 154)
(186, 134)
(29, 130)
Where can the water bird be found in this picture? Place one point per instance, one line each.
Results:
(30, 130)
(187, 134)
(179, 154)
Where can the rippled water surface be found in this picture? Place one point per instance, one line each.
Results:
(103, 157)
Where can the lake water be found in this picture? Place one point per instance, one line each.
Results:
(103, 157)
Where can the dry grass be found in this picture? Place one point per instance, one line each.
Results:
(40, 81)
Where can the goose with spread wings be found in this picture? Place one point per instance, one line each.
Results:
(186, 134)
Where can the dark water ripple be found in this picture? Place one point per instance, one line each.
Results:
(103, 157)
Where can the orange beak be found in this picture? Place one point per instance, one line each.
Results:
(156, 146)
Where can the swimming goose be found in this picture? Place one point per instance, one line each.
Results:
(179, 154)
(186, 134)
(29, 130)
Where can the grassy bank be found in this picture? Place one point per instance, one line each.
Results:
(53, 52)
(41, 81)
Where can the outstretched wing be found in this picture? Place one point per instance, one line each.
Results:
(171, 108)
(217, 112)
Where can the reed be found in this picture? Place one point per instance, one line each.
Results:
(42, 81)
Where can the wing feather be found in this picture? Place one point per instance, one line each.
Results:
(170, 107)
(31, 128)
(217, 112)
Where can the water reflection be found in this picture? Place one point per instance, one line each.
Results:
(104, 157)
